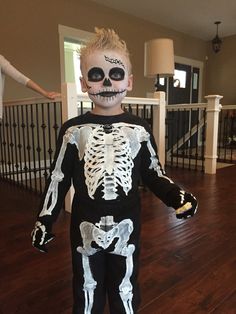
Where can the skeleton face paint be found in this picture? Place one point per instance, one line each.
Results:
(106, 78)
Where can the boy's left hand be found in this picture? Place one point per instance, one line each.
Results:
(188, 205)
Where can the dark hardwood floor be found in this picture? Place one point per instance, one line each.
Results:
(186, 266)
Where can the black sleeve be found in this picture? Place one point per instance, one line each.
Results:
(60, 178)
(153, 175)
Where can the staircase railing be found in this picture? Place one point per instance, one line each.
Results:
(186, 135)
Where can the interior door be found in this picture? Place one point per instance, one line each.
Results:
(179, 88)
(182, 89)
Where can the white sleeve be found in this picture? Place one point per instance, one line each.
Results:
(9, 70)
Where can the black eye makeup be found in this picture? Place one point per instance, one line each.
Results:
(117, 74)
(95, 75)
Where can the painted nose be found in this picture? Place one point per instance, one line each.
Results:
(107, 82)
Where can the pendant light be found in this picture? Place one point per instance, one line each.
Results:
(216, 41)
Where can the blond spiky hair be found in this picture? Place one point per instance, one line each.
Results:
(105, 39)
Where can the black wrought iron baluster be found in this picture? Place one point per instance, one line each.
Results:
(232, 140)
(151, 117)
(203, 139)
(137, 110)
(8, 160)
(190, 156)
(129, 108)
(55, 125)
(172, 128)
(196, 146)
(49, 133)
(220, 135)
(28, 147)
(11, 144)
(233, 134)
(15, 125)
(167, 138)
(177, 137)
(185, 145)
(19, 145)
(145, 112)
(225, 135)
(32, 127)
(3, 149)
(43, 127)
(23, 125)
(81, 108)
(38, 149)
(60, 111)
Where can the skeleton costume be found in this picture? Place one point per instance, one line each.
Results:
(104, 157)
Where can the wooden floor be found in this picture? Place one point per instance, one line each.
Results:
(186, 266)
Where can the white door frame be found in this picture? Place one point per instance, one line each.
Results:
(68, 33)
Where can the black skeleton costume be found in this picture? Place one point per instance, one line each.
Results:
(105, 157)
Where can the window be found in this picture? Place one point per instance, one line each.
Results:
(179, 79)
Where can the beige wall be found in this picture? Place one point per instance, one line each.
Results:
(30, 40)
(221, 71)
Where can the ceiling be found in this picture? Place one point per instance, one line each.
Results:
(193, 17)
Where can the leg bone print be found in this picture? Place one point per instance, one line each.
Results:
(103, 234)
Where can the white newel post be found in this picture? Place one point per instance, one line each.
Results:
(69, 110)
(159, 115)
(69, 101)
(212, 121)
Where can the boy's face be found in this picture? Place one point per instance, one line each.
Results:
(106, 78)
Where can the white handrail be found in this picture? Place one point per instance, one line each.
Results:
(228, 107)
(186, 106)
(30, 101)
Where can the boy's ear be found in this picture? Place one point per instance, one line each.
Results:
(83, 84)
(130, 83)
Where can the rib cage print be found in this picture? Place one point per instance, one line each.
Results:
(108, 154)
(108, 161)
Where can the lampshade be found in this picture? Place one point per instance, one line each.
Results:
(159, 58)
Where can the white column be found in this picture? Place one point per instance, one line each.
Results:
(69, 101)
(212, 121)
(69, 110)
(159, 127)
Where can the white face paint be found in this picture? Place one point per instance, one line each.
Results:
(106, 78)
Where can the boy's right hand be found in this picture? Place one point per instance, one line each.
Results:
(40, 236)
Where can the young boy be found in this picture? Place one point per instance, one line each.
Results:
(105, 152)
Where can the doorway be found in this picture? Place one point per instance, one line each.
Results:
(70, 41)
(186, 85)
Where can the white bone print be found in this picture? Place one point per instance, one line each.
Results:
(109, 160)
(97, 233)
